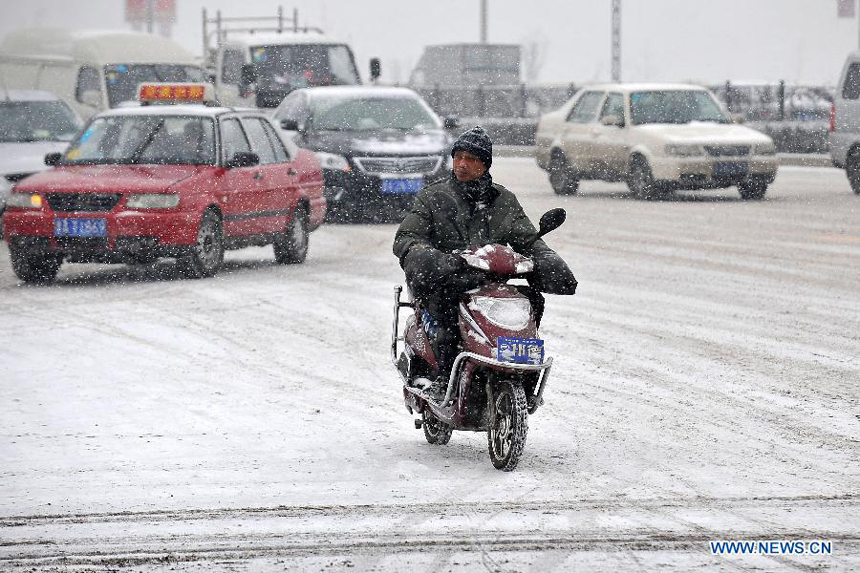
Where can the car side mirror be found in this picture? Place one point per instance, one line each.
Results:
(375, 69)
(91, 98)
(451, 122)
(612, 121)
(289, 125)
(53, 159)
(551, 220)
(249, 74)
(242, 159)
(737, 118)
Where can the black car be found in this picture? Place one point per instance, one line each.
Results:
(378, 146)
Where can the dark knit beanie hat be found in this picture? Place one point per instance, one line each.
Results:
(477, 142)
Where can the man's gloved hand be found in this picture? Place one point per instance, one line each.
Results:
(552, 275)
(466, 279)
(452, 264)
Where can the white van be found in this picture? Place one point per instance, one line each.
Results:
(92, 70)
(845, 121)
(261, 69)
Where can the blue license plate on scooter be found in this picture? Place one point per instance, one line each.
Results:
(520, 350)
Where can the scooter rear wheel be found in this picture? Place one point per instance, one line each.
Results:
(435, 431)
(506, 436)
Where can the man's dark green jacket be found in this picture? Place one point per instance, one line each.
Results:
(443, 220)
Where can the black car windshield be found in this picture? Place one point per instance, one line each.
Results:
(123, 79)
(371, 113)
(24, 121)
(287, 67)
(134, 139)
(674, 106)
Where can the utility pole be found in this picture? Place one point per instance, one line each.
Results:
(483, 21)
(616, 40)
(150, 15)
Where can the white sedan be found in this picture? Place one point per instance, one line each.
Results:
(32, 124)
(656, 137)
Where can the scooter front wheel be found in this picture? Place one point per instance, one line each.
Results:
(509, 425)
(435, 431)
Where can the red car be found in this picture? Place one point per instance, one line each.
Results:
(182, 181)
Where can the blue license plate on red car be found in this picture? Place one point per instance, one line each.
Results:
(520, 350)
(80, 227)
(402, 186)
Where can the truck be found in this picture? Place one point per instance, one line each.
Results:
(467, 65)
(257, 61)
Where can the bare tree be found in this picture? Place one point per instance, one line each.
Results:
(534, 49)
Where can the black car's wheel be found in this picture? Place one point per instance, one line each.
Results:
(35, 268)
(561, 177)
(753, 189)
(292, 246)
(206, 256)
(852, 170)
(506, 436)
(435, 431)
(640, 180)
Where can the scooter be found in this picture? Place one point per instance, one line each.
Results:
(499, 377)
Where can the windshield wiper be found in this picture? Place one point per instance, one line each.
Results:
(145, 143)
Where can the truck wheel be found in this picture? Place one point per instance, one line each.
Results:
(852, 170)
(506, 435)
(562, 178)
(435, 431)
(640, 179)
(753, 189)
(207, 254)
(292, 246)
(35, 268)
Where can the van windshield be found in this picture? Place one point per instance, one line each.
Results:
(26, 121)
(149, 139)
(122, 79)
(287, 67)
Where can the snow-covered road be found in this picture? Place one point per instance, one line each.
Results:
(706, 386)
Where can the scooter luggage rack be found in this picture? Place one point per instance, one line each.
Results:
(395, 338)
(455, 370)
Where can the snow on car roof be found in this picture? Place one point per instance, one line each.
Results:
(358, 91)
(26, 95)
(636, 87)
(286, 37)
(176, 109)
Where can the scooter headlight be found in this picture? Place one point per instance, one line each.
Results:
(511, 313)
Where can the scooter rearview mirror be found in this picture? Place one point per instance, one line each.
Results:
(551, 220)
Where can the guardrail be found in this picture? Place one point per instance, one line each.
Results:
(796, 116)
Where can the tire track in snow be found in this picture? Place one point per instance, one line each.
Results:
(124, 538)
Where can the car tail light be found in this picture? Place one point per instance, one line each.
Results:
(832, 118)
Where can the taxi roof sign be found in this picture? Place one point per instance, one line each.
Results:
(163, 92)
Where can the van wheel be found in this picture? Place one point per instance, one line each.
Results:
(35, 268)
(562, 178)
(852, 170)
(292, 246)
(206, 256)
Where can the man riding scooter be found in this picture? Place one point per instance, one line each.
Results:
(468, 210)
